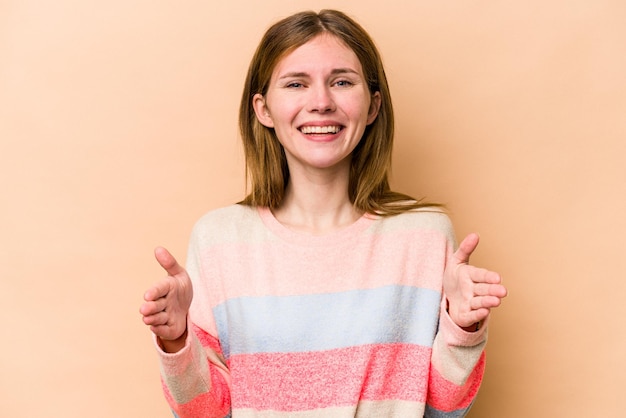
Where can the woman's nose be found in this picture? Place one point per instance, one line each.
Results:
(321, 100)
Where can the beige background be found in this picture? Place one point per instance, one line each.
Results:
(118, 130)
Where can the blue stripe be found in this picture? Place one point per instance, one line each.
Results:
(271, 324)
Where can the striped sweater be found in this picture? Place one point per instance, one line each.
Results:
(347, 324)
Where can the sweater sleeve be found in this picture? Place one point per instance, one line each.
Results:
(456, 370)
(196, 379)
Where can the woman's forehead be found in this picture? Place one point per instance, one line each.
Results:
(324, 52)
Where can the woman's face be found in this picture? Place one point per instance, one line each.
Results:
(318, 103)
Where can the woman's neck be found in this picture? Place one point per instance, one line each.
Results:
(317, 204)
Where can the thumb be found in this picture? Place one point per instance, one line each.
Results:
(168, 262)
(466, 248)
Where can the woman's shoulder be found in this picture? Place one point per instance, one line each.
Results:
(424, 218)
(229, 223)
(227, 214)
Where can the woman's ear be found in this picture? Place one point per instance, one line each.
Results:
(261, 111)
(374, 107)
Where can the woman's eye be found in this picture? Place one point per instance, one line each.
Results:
(343, 83)
(294, 85)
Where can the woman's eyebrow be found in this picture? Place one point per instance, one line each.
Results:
(301, 74)
(293, 75)
(344, 71)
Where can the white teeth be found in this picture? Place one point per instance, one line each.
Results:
(320, 129)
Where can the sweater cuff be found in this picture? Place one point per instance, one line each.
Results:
(171, 362)
(455, 335)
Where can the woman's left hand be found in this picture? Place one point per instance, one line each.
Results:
(471, 291)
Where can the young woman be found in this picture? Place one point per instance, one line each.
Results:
(323, 293)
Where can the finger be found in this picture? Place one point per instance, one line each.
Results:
(160, 318)
(484, 302)
(159, 290)
(466, 248)
(153, 307)
(473, 316)
(481, 275)
(482, 289)
(168, 262)
(488, 289)
(498, 290)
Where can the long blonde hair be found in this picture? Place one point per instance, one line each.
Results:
(267, 170)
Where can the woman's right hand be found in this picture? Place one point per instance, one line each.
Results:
(167, 303)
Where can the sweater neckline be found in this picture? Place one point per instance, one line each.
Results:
(349, 232)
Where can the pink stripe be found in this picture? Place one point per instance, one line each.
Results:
(446, 396)
(299, 267)
(206, 339)
(306, 381)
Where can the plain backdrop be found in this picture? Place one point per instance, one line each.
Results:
(118, 129)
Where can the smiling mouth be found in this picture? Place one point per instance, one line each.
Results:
(320, 129)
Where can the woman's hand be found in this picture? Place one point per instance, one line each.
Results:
(167, 303)
(471, 291)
